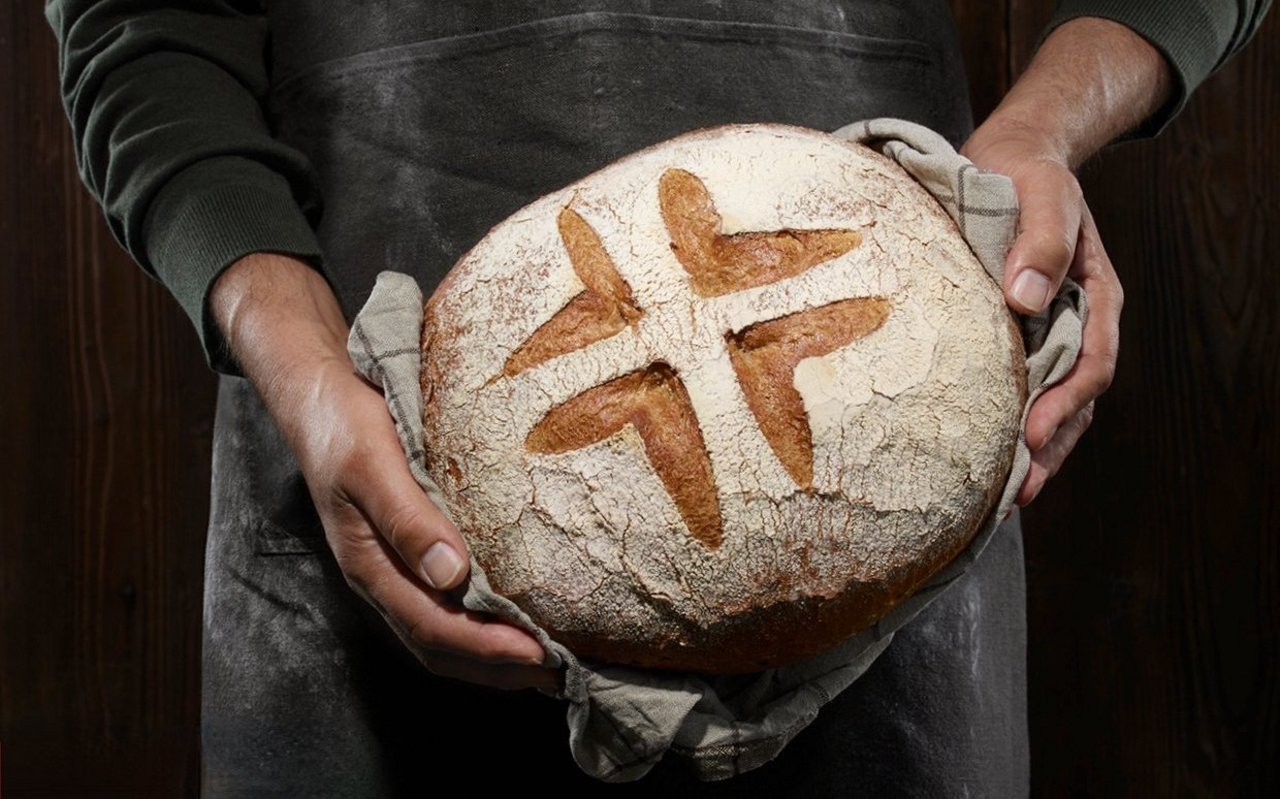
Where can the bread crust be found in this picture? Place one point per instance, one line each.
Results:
(603, 529)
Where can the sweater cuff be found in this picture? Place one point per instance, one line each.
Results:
(205, 218)
(1192, 40)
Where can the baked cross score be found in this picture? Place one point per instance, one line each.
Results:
(653, 399)
(602, 310)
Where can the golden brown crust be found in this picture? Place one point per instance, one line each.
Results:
(779, 634)
(764, 357)
(718, 264)
(603, 310)
(656, 403)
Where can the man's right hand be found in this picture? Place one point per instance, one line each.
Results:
(396, 549)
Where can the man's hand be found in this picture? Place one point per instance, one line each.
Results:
(1091, 81)
(396, 549)
(1056, 238)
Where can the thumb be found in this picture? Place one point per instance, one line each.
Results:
(1048, 225)
(428, 543)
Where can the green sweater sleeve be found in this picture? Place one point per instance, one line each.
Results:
(1196, 36)
(165, 105)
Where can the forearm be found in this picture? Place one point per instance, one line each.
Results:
(1195, 36)
(1091, 81)
(284, 329)
(165, 104)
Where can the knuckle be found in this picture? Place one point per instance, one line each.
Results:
(1049, 463)
(402, 526)
(1106, 377)
(1086, 416)
(1060, 246)
(1100, 378)
(1072, 185)
(1079, 393)
(1051, 471)
(1030, 491)
(1052, 248)
(347, 538)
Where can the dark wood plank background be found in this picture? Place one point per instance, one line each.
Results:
(1154, 596)
(105, 439)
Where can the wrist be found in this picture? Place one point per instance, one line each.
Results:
(278, 316)
(1030, 139)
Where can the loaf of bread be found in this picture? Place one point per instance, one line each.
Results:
(723, 403)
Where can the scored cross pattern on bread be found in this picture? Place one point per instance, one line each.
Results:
(657, 404)
(765, 356)
(653, 399)
(720, 264)
(604, 308)
(723, 403)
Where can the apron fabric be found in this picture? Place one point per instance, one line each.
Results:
(428, 123)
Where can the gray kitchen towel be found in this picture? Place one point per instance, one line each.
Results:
(623, 720)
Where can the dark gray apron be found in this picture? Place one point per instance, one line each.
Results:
(427, 124)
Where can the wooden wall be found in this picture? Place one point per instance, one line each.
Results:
(105, 419)
(1155, 583)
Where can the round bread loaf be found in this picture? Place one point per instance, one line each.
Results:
(723, 403)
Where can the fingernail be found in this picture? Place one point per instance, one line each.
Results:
(441, 565)
(1031, 289)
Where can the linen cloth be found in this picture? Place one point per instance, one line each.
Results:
(623, 720)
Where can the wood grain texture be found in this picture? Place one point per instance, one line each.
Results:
(105, 439)
(983, 26)
(1152, 557)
